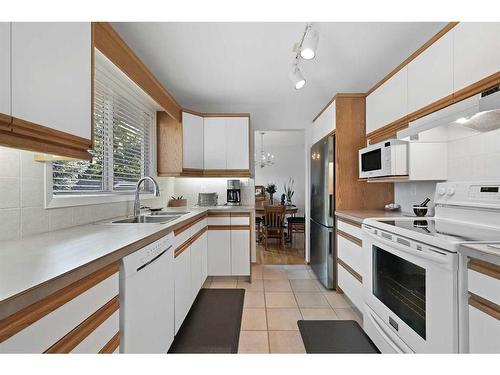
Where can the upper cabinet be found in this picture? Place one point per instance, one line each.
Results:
(324, 124)
(227, 144)
(388, 103)
(192, 141)
(4, 70)
(52, 75)
(430, 75)
(476, 52)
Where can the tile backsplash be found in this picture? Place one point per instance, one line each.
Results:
(22, 191)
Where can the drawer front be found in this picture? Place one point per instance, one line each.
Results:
(352, 288)
(350, 253)
(100, 337)
(240, 220)
(484, 286)
(484, 332)
(52, 327)
(348, 228)
(221, 220)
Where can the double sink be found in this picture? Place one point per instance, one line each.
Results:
(157, 217)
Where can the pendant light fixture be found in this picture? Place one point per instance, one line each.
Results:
(306, 50)
(266, 159)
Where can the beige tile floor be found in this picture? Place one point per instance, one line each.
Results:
(277, 297)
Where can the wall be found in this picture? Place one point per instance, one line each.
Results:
(474, 158)
(288, 149)
(22, 191)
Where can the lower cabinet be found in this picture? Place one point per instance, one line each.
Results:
(183, 289)
(80, 318)
(219, 252)
(240, 252)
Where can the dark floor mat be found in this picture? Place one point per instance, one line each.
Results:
(213, 323)
(335, 336)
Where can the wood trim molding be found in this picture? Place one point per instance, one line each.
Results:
(483, 267)
(111, 345)
(109, 42)
(339, 95)
(414, 55)
(27, 316)
(484, 305)
(344, 265)
(241, 214)
(192, 172)
(182, 248)
(227, 173)
(29, 136)
(339, 290)
(387, 131)
(475, 88)
(349, 237)
(348, 221)
(226, 115)
(84, 329)
(433, 107)
(240, 227)
(190, 223)
(219, 214)
(219, 227)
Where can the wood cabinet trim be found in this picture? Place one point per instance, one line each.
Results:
(169, 144)
(109, 42)
(189, 242)
(190, 223)
(111, 345)
(349, 237)
(240, 214)
(219, 227)
(484, 305)
(483, 267)
(477, 87)
(348, 268)
(84, 329)
(349, 221)
(219, 214)
(227, 173)
(192, 172)
(339, 95)
(240, 227)
(28, 315)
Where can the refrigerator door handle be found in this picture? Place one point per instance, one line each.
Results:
(330, 243)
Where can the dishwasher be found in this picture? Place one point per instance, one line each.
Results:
(147, 298)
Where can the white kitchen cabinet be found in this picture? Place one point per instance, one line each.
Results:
(5, 68)
(324, 124)
(192, 141)
(476, 52)
(240, 252)
(219, 252)
(226, 144)
(387, 103)
(204, 257)
(484, 332)
(430, 75)
(196, 250)
(351, 287)
(51, 75)
(183, 289)
(237, 143)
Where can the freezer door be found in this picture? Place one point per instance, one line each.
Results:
(322, 182)
(323, 254)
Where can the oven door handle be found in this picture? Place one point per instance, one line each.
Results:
(442, 259)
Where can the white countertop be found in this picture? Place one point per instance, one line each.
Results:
(32, 261)
(487, 252)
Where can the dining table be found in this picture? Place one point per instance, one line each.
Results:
(290, 210)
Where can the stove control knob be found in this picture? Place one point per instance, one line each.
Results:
(441, 191)
(450, 192)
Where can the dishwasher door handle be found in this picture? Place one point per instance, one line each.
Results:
(154, 259)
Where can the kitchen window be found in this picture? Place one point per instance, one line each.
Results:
(124, 123)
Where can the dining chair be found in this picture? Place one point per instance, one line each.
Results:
(274, 224)
(295, 224)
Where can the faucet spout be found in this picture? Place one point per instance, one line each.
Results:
(137, 202)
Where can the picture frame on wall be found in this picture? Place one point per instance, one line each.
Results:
(260, 191)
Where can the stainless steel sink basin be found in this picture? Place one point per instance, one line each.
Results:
(146, 219)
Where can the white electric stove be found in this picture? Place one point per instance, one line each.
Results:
(411, 294)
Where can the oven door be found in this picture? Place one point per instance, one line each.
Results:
(371, 162)
(414, 295)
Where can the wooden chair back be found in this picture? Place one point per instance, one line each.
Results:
(274, 216)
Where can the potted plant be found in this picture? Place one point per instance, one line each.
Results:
(271, 189)
(289, 191)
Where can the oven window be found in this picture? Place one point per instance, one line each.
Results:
(400, 285)
(371, 161)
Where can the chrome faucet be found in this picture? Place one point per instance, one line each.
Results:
(137, 202)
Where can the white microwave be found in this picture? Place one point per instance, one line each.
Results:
(384, 159)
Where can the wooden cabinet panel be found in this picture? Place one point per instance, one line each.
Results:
(237, 143)
(240, 252)
(430, 75)
(5, 68)
(192, 141)
(476, 52)
(219, 252)
(169, 145)
(215, 143)
(388, 103)
(51, 75)
(182, 285)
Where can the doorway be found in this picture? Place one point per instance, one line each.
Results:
(280, 162)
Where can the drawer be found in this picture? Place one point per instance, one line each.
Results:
(45, 332)
(101, 336)
(219, 220)
(349, 229)
(350, 253)
(351, 286)
(240, 220)
(484, 332)
(482, 280)
(199, 226)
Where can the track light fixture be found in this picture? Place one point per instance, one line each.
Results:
(306, 50)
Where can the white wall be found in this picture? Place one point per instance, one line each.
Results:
(288, 149)
(22, 192)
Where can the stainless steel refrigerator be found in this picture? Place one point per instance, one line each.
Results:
(323, 254)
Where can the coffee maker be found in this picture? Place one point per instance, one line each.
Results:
(233, 193)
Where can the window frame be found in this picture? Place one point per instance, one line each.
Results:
(70, 200)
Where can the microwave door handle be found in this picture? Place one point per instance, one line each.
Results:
(434, 258)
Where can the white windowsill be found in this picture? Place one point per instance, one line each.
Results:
(60, 201)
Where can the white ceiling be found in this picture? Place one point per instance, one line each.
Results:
(244, 67)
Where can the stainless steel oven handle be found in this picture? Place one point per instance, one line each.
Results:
(384, 335)
(443, 259)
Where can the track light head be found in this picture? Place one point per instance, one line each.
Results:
(309, 44)
(297, 78)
